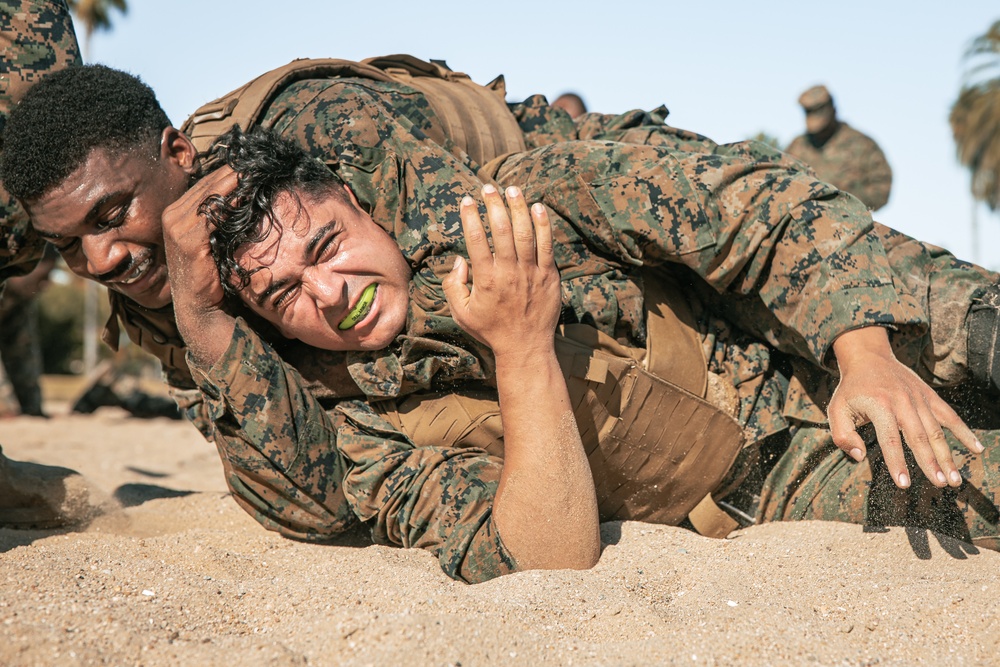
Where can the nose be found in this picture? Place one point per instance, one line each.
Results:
(327, 288)
(103, 255)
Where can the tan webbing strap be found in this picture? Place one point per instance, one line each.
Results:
(155, 332)
(673, 350)
(710, 520)
(673, 347)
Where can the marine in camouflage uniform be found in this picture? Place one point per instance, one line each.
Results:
(774, 265)
(311, 473)
(840, 154)
(379, 134)
(20, 345)
(36, 37)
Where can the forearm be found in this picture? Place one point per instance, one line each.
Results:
(276, 442)
(546, 508)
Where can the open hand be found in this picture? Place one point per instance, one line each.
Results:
(875, 387)
(515, 300)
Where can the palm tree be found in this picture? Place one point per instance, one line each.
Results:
(95, 15)
(975, 117)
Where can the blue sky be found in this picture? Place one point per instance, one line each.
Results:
(725, 69)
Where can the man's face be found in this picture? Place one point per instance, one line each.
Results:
(819, 118)
(327, 275)
(105, 218)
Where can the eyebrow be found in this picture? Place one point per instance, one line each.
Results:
(269, 291)
(91, 214)
(317, 238)
(311, 246)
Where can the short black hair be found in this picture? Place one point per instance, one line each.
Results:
(63, 117)
(267, 165)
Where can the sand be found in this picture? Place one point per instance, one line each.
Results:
(174, 573)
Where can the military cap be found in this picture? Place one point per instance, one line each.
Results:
(818, 105)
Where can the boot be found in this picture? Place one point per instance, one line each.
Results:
(40, 496)
(99, 391)
(984, 336)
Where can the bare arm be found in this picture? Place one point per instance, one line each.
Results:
(875, 387)
(546, 507)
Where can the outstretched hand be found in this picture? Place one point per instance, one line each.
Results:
(876, 387)
(515, 299)
(194, 278)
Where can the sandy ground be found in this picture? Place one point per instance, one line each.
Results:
(176, 574)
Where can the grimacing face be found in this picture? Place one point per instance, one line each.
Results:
(327, 275)
(105, 218)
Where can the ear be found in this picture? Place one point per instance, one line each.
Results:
(351, 197)
(177, 148)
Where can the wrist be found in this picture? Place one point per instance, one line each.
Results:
(852, 348)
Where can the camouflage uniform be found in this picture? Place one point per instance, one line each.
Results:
(775, 264)
(20, 350)
(36, 37)
(850, 160)
(377, 132)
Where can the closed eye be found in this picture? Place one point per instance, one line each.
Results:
(284, 297)
(115, 220)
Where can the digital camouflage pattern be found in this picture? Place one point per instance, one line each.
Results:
(774, 263)
(36, 37)
(376, 132)
(731, 228)
(850, 160)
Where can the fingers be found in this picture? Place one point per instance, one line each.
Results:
(941, 463)
(518, 234)
(545, 253)
(476, 243)
(500, 225)
(842, 428)
(521, 226)
(456, 289)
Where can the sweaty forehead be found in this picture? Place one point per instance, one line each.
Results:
(261, 253)
(101, 177)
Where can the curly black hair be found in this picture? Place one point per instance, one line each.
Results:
(266, 165)
(66, 115)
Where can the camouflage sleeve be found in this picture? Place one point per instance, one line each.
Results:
(310, 474)
(36, 37)
(544, 124)
(435, 498)
(748, 227)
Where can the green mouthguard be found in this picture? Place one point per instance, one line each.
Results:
(360, 308)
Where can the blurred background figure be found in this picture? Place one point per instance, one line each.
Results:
(571, 103)
(20, 345)
(839, 154)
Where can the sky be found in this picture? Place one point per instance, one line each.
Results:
(727, 70)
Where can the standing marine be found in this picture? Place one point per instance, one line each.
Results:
(36, 37)
(840, 154)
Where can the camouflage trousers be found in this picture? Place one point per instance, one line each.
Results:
(813, 479)
(20, 350)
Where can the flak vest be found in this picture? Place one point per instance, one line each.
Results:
(657, 448)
